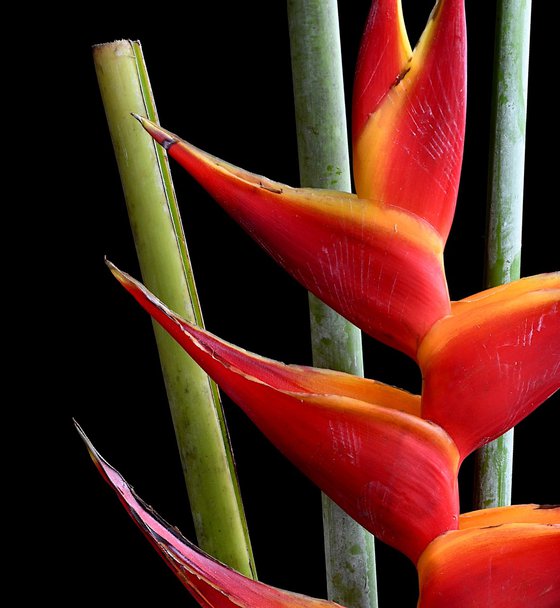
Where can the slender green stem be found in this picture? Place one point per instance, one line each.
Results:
(505, 206)
(194, 400)
(337, 344)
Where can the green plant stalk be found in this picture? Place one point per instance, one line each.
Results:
(196, 410)
(494, 462)
(337, 344)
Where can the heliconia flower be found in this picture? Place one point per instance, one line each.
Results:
(380, 267)
(493, 561)
(409, 110)
(506, 558)
(360, 441)
(493, 360)
(388, 458)
(212, 584)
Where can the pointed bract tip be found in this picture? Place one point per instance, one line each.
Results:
(94, 454)
(139, 118)
(81, 433)
(122, 277)
(163, 137)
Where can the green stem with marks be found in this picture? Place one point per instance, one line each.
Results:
(196, 410)
(494, 462)
(337, 344)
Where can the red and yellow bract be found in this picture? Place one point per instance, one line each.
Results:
(379, 266)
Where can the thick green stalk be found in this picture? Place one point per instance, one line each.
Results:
(505, 206)
(337, 344)
(194, 400)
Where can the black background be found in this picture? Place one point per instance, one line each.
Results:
(221, 77)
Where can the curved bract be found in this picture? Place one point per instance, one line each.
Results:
(492, 361)
(376, 258)
(393, 472)
(211, 583)
(295, 378)
(379, 267)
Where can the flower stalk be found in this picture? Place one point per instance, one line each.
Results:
(494, 462)
(336, 343)
(194, 400)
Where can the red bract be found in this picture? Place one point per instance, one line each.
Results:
(380, 267)
(493, 360)
(358, 440)
(488, 360)
(211, 583)
(376, 258)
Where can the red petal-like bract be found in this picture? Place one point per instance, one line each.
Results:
(408, 154)
(379, 267)
(294, 378)
(513, 565)
(393, 472)
(493, 360)
(383, 57)
(212, 584)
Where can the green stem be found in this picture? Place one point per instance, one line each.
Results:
(194, 400)
(505, 206)
(337, 344)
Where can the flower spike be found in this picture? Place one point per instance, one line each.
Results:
(408, 153)
(212, 584)
(393, 472)
(380, 268)
(493, 360)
